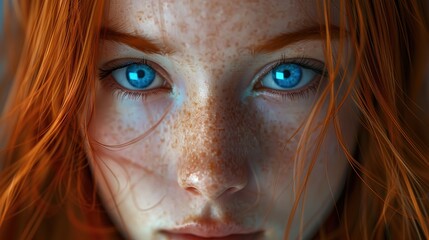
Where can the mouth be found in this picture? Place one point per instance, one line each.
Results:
(218, 231)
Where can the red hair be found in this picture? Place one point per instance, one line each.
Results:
(51, 53)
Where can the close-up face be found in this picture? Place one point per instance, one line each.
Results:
(199, 115)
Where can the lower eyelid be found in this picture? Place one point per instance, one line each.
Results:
(118, 91)
(113, 84)
(296, 93)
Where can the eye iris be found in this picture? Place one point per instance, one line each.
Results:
(287, 75)
(140, 75)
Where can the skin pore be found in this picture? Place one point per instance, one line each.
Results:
(209, 149)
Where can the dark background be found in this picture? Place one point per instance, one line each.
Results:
(1, 15)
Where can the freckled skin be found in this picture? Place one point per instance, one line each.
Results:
(213, 149)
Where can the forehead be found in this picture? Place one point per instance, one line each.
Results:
(211, 25)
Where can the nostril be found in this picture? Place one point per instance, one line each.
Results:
(193, 190)
(213, 184)
(213, 193)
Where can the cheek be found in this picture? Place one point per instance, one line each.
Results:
(127, 146)
(120, 119)
(288, 155)
(278, 132)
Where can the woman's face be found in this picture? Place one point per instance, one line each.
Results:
(199, 114)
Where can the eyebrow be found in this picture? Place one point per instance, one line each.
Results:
(149, 46)
(315, 32)
(141, 43)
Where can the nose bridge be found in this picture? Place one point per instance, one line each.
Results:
(213, 159)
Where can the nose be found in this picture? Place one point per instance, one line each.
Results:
(211, 187)
(214, 151)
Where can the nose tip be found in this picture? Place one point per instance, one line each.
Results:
(211, 188)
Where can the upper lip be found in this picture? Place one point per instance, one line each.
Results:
(211, 229)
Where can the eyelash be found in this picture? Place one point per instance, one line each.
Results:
(122, 92)
(311, 64)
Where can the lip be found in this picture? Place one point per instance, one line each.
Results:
(218, 231)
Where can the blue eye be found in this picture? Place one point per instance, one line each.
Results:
(140, 75)
(288, 76)
(137, 76)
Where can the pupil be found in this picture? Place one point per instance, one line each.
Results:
(140, 73)
(286, 73)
